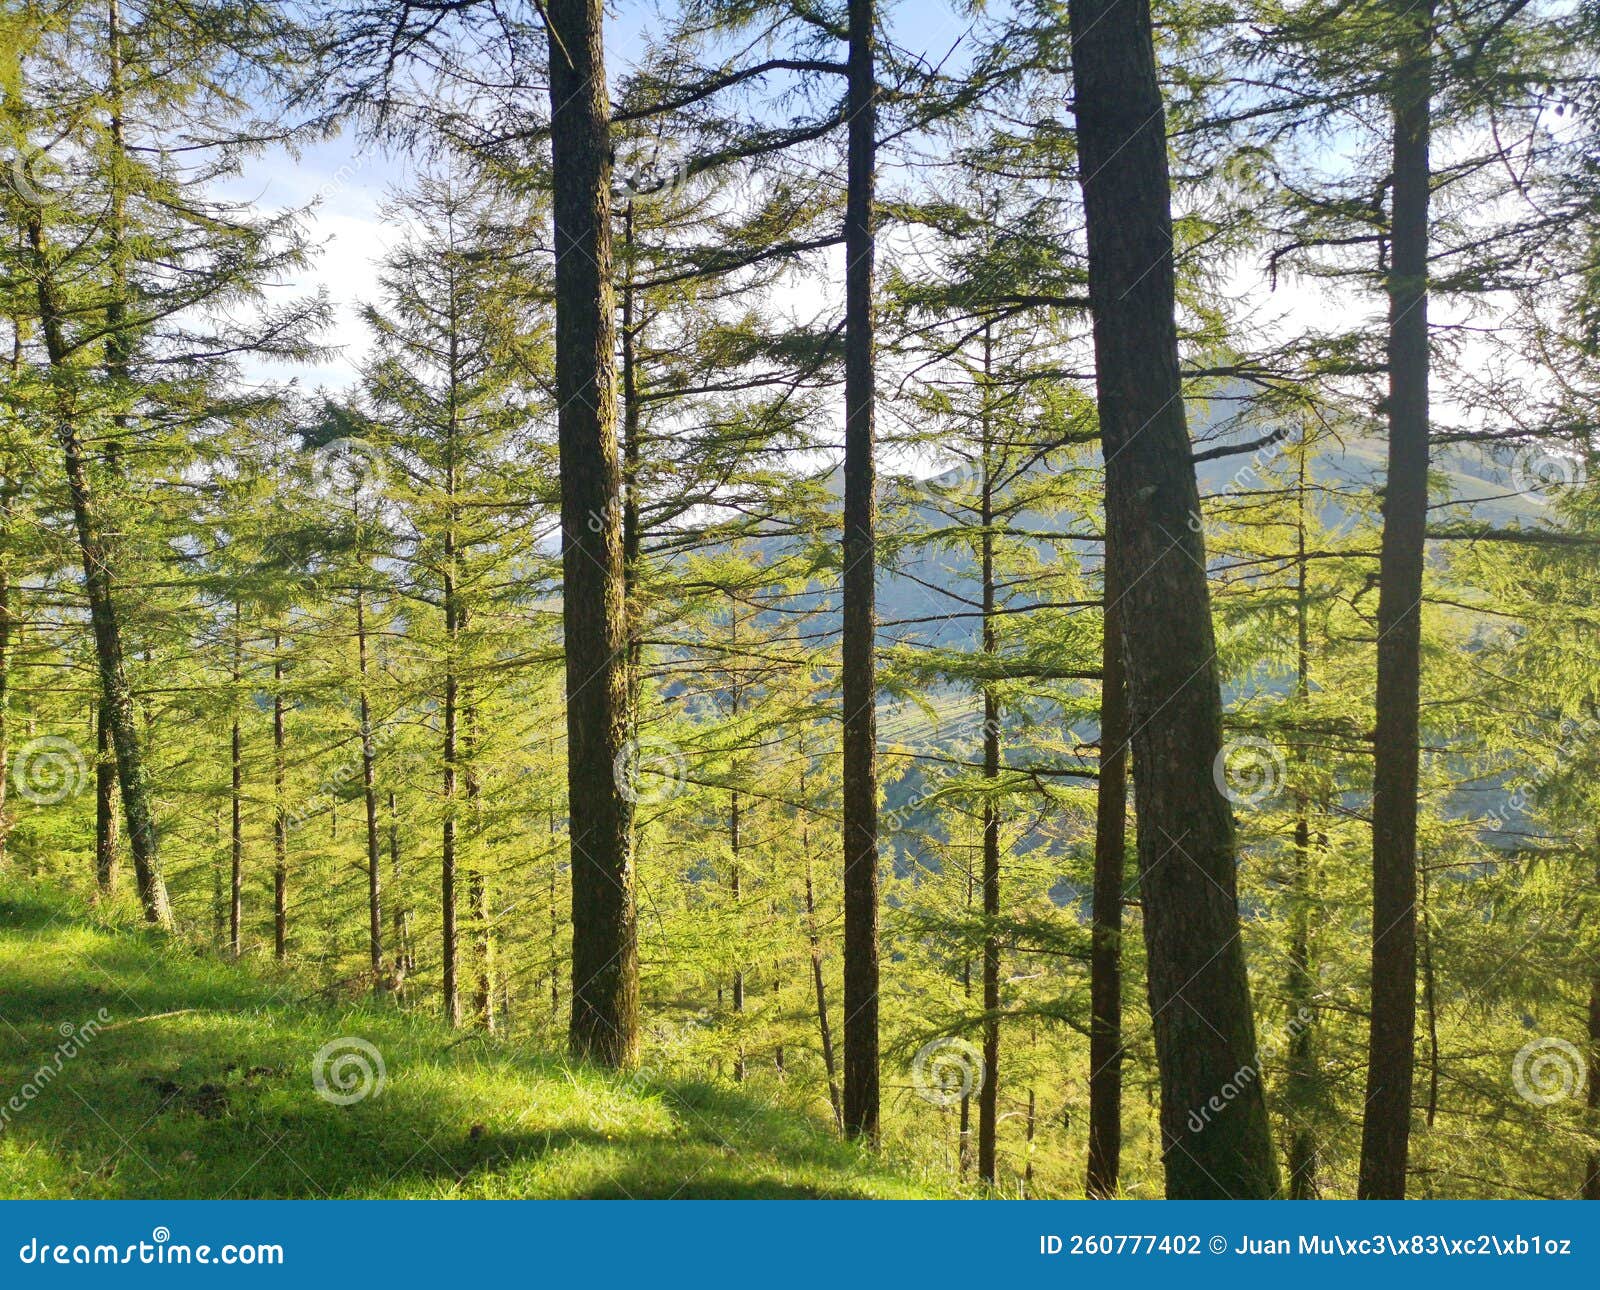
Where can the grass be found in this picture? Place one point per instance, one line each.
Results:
(137, 1067)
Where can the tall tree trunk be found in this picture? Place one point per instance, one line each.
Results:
(605, 955)
(450, 949)
(105, 803)
(733, 878)
(7, 640)
(280, 811)
(824, 1031)
(1391, 1051)
(369, 794)
(1110, 875)
(989, 1091)
(1300, 1078)
(1591, 1177)
(860, 686)
(97, 583)
(1199, 994)
(236, 822)
(477, 884)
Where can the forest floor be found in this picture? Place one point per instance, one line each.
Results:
(132, 1065)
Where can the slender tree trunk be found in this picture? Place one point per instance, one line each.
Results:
(105, 803)
(103, 616)
(860, 687)
(447, 868)
(405, 957)
(824, 1031)
(1110, 875)
(1391, 1052)
(989, 1092)
(1591, 1178)
(7, 640)
(1300, 1078)
(733, 876)
(369, 793)
(605, 955)
(280, 811)
(477, 884)
(1199, 994)
(236, 823)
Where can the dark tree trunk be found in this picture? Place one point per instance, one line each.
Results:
(280, 812)
(1199, 995)
(7, 640)
(605, 957)
(236, 822)
(103, 615)
(733, 876)
(1591, 1177)
(450, 946)
(1110, 876)
(105, 803)
(860, 556)
(1391, 1052)
(989, 1091)
(405, 957)
(824, 1031)
(1300, 1083)
(369, 794)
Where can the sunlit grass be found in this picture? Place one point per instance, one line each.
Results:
(186, 1077)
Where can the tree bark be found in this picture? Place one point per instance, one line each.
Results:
(824, 1031)
(859, 681)
(1199, 994)
(1105, 954)
(103, 615)
(1391, 1050)
(989, 1091)
(605, 959)
(105, 803)
(280, 811)
(369, 794)
(236, 822)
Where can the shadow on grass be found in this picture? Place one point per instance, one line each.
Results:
(201, 1079)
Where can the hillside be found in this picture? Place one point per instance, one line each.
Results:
(139, 1068)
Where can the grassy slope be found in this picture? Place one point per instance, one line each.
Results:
(217, 1100)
